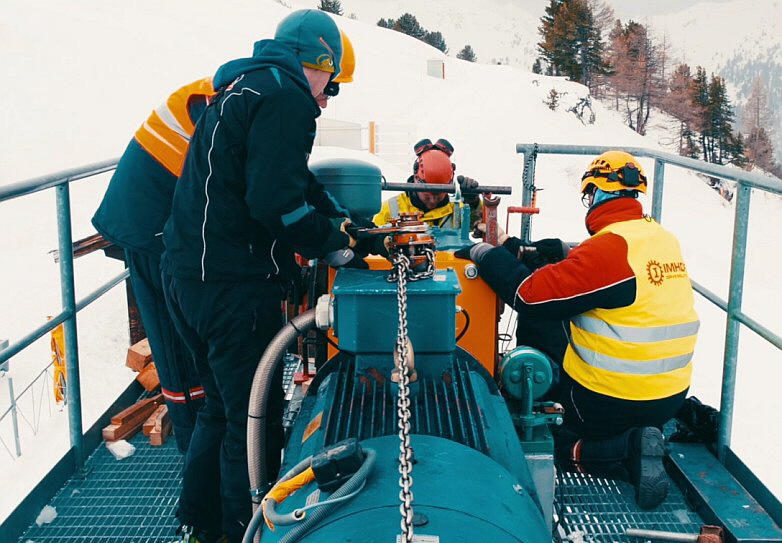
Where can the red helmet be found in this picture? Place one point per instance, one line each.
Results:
(434, 166)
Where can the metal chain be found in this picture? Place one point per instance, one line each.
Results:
(402, 269)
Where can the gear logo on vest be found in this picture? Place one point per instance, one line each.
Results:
(655, 273)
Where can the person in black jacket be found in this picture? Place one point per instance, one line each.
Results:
(245, 201)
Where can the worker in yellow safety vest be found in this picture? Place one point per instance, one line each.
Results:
(632, 325)
(432, 165)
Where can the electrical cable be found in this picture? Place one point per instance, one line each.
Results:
(466, 324)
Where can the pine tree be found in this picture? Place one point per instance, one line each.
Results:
(572, 43)
(679, 102)
(386, 23)
(469, 55)
(536, 67)
(436, 40)
(332, 6)
(408, 24)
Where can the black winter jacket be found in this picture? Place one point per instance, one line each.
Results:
(246, 197)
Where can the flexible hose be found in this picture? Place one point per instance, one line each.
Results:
(259, 397)
(257, 517)
(350, 486)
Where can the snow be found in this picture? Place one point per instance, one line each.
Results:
(120, 449)
(76, 97)
(47, 515)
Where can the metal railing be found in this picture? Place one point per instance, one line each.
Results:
(60, 182)
(745, 182)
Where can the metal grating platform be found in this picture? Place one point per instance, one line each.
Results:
(594, 509)
(131, 500)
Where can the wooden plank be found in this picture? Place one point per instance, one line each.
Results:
(129, 421)
(148, 378)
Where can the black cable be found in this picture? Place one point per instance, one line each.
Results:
(466, 324)
(325, 335)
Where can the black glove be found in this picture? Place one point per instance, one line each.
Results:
(339, 236)
(467, 182)
(372, 245)
(471, 200)
(362, 222)
(546, 251)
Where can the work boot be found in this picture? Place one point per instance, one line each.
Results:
(645, 464)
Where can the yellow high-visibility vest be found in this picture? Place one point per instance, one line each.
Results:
(166, 133)
(642, 351)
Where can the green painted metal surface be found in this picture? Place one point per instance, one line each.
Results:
(719, 498)
(129, 500)
(366, 311)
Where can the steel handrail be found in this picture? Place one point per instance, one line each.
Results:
(60, 182)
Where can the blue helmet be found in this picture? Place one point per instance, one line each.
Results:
(315, 38)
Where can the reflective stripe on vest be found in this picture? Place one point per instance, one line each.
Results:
(642, 351)
(166, 133)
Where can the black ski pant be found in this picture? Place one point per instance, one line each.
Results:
(179, 381)
(604, 424)
(228, 326)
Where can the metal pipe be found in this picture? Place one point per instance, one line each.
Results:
(61, 317)
(735, 294)
(14, 416)
(450, 188)
(528, 186)
(657, 192)
(14, 190)
(752, 179)
(68, 295)
(664, 536)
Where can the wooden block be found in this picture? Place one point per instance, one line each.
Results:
(139, 355)
(161, 428)
(148, 377)
(128, 421)
(160, 412)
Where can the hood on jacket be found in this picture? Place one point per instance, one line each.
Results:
(266, 54)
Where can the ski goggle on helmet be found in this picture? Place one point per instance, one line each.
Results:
(614, 171)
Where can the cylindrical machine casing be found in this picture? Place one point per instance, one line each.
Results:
(355, 184)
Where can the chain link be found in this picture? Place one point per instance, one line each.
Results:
(402, 270)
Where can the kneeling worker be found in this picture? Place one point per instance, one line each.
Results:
(633, 326)
(432, 165)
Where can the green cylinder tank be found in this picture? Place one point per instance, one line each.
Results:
(355, 184)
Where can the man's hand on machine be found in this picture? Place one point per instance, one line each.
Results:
(480, 231)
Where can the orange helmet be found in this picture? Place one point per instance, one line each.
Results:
(434, 166)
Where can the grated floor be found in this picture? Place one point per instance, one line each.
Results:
(594, 509)
(131, 500)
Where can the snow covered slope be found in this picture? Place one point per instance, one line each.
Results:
(80, 77)
(738, 40)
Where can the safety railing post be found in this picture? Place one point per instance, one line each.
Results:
(657, 192)
(14, 416)
(527, 184)
(68, 295)
(735, 294)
